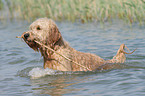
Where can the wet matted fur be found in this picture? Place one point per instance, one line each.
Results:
(46, 32)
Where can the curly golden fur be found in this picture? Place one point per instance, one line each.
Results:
(45, 31)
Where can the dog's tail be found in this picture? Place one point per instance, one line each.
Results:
(120, 56)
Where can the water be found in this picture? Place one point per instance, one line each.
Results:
(22, 74)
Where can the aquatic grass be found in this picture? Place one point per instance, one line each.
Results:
(79, 10)
(1, 5)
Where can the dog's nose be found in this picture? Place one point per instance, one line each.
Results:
(26, 35)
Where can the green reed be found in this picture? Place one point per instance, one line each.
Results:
(1, 5)
(82, 10)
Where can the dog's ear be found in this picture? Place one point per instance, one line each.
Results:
(54, 36)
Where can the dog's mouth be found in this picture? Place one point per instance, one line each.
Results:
(32, 44)
(30, 41)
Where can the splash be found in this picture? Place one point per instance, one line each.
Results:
(39, 72)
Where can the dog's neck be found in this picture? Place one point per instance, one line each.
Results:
(48, 55)
(58, 44)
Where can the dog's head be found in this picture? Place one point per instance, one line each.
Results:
(43, 30)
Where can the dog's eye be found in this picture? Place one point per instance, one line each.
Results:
(38, 28)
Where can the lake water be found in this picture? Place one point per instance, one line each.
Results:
(19, 63)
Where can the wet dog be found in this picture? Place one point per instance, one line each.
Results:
(47, 33)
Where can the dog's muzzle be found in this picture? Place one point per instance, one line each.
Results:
(26, 35)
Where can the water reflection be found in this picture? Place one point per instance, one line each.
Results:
(55, 85)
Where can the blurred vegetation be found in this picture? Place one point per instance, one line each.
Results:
(1, 5)
(82, 10)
